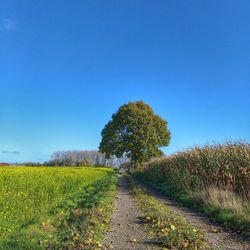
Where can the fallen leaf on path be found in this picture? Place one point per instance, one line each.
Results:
(133, 240)
(185, 244)
(215, 230)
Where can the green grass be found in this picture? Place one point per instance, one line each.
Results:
(171, 230)
(54, 208)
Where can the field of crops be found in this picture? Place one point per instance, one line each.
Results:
(224, 166)
(30, 195)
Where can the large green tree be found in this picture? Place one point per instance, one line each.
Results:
(135, 131)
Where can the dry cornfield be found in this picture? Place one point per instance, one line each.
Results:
(225, 166)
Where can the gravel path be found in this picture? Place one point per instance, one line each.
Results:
(216, 235)
(126, 228)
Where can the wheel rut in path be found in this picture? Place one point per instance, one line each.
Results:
(126, 228)
(216, 236)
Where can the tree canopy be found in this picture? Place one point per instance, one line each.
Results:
(135, 131)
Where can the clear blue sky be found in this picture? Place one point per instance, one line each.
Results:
(66, 66)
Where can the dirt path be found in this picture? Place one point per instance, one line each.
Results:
(216, 235)
(126, 230)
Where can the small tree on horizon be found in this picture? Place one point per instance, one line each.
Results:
(135, 131)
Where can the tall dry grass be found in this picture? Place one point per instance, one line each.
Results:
(224, 199)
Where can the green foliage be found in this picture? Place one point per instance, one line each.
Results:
(136, 132)
(37, 204)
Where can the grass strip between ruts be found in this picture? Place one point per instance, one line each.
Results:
(169, 229)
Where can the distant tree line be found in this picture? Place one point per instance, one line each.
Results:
(81, 158)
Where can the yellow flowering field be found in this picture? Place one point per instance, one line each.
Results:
(28, 194)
